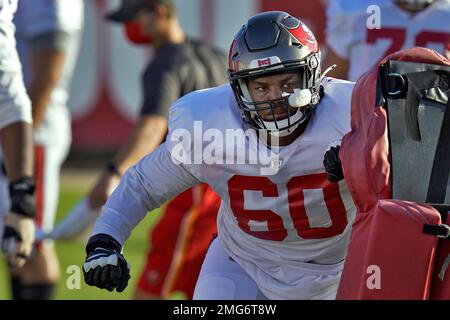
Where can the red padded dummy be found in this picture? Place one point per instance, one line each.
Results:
(389, 257)
(440, 287)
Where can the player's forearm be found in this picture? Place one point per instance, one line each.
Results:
(17, 145)
(145, 187)
(145, 138)
(123, 210)
(47, 68)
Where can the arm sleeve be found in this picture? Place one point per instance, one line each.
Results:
(146, 186)
(338, 31)
(161, 87)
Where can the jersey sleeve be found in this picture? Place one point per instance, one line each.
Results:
(171, 169)
(338, 29)
(144, 187)
(15, 104)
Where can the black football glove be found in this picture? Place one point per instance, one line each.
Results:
(105, 267)
(332, 163)
(19, 228)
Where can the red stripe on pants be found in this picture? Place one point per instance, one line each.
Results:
(39, 152)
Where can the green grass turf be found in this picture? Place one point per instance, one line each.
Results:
(72, 253)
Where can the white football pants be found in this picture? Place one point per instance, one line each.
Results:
(221, 278)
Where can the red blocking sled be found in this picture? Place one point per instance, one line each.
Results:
(389, 256)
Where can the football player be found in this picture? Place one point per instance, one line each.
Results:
(356, 43)
(17, 205)
(283, 227)
(48, 35)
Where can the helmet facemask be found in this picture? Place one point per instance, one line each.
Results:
(297, 105)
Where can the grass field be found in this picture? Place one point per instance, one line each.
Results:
(72, 253)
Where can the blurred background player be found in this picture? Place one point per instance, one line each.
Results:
(17, 205)
(179, 241)
(355, 48)
(48, 37)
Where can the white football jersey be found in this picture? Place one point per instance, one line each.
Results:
(279, 217)
(14, 102)
(7, 10)
(7, 29)
(352, 34)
